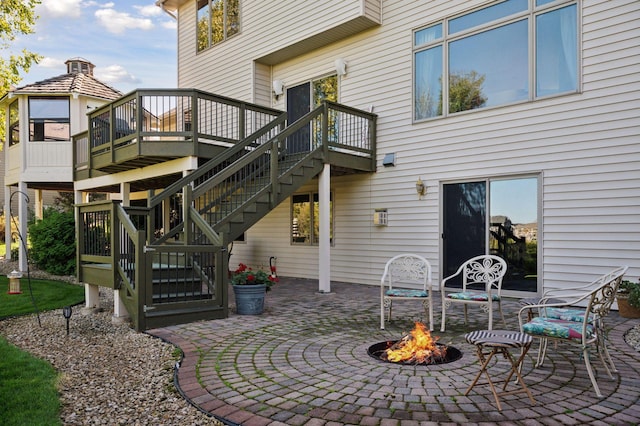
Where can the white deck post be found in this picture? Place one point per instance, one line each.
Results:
(7, 220)
(324, 249)
(22, 225)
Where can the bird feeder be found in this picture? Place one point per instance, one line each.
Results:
(14, 282)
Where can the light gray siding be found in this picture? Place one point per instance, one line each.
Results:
(584, 147)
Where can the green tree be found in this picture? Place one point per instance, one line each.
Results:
(465, 91)
(16, 17)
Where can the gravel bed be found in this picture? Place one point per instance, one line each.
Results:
(109, 373)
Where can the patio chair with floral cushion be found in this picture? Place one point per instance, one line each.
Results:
(481, 285)
(568, 322)
(406, 277)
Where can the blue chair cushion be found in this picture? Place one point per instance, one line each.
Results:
(550, 327)
(468, 295)
(567, 314)
(405, 292)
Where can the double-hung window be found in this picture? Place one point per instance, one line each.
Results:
(217, 20)
(511, 51)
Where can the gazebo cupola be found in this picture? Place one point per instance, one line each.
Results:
(79, 65)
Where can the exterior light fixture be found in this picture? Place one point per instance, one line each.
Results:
(66, 312)
(278, 88)
(14, 282)
(421, 189)
(341, 67)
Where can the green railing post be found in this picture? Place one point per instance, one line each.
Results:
(187, 198)
(325, 130)
(194, 121)
(139, 120)
(241, 121)
(273, 197)
(142, 282)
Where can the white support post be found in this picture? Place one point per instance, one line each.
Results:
(7, 221)
(324, 248)
(22, 225)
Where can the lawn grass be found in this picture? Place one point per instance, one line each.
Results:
(28, 392)
(28, 395)
(48, 295)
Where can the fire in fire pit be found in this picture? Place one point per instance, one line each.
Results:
(418, 347)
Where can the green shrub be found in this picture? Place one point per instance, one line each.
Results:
(631, 290)
(53, 246)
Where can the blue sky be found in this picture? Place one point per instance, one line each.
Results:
(131, 43)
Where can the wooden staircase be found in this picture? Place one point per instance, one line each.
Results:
(185, 270)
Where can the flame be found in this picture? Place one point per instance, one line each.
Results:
(418, 347)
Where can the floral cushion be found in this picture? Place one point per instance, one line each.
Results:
(549, 327)
(478, 297)
(567, 314)
(405, 292)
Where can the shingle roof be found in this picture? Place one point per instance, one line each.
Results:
(81, 83)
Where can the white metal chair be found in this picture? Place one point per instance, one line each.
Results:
(481, 285)
(583, 326)
(406, 277)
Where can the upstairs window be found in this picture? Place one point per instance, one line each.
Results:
(217, 21)
(507, 52)
(49, 119)
(14, 123)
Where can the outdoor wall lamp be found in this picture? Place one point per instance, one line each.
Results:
(341, 66)
(421, 189)
(278, 88)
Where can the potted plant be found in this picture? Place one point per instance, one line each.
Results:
(629, 299)
(250, 287)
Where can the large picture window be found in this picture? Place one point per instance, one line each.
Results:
(217, 21)
(484, 58)
(305, 226)
(49, 119)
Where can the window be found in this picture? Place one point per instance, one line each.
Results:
(49, 119)
(304, 218)
(483, 58)
(14, 123)
(217, 21)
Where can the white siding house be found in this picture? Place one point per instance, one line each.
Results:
(576, 150)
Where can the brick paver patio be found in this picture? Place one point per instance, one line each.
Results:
(305, 362)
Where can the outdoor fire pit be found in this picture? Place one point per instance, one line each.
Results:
(416, 348)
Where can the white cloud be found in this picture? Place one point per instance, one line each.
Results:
(49, 62)
(149, 10)
(60, 8)
(118, 22)
(115, 74)
(170, 25)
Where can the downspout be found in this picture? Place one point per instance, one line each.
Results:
(160, 4)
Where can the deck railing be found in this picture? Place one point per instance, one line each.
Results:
(168, 115)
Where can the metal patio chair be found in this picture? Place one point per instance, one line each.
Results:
(481, 285)
(406, 277)
(583, 326)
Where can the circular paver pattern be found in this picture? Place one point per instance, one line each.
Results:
(305, 362)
